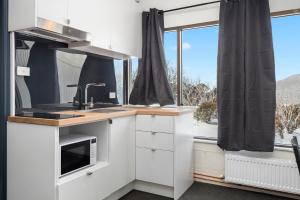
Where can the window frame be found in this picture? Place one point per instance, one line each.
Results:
(180, 29)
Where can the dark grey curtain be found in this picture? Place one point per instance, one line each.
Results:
(151, 85)
(98, 69)
(43, 82)
(246, 77)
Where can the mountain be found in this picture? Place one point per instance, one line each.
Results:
(288, 90)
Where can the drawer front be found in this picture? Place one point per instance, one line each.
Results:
(154, 166)
(155, 123)
(87, 187)
(155, 140)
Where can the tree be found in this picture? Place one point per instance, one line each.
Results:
(287, 118)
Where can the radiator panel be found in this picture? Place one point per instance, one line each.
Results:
(274, 174)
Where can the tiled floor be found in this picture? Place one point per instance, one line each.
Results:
(201, 191)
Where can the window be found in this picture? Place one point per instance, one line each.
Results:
(134, 71)
(199, 65)
(119, 78)
(286, 42)
(170, 43)
(199, 49)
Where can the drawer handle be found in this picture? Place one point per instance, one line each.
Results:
(89, 173)
(153, 133)
(153, 150)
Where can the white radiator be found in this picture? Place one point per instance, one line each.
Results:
(268, 173)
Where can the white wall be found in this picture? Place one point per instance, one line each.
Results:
(204, 13)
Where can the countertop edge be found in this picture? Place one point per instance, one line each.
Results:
(95, 117)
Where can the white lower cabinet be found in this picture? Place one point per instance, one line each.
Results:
(155, 140)
(98, 184)
(122, 152)
(87, 187)
(155, 123)
(155, 149)
(164, 154)
(157, 158)
(155, 166)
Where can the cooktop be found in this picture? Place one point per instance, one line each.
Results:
(46, 115)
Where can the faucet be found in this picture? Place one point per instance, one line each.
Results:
(87, 86)
(85, 105)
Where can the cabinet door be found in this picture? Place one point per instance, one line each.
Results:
(93, 185)
(122, 151)
(154, 140)
(155, 123)
(83, 15)
(155, 166)
(55, 10)
(93, 16)
(126, 27)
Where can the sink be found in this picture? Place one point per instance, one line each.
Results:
(104, 110)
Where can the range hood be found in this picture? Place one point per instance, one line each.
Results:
(51, 30)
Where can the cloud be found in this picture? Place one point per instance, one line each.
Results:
(186, 46)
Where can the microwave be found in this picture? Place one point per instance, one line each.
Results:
(76, 152)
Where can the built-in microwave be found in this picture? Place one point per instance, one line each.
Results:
(76, 152)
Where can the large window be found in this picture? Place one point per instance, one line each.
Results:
(199, 65)
(134, 71)
(198, 50)
(170, 43)
(286, 40)
(119, 79)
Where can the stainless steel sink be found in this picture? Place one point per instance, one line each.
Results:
(104, 110)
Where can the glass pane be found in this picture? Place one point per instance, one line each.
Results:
(119, 79)
(287, 62)
(170, 44)
(199, 65)
(199, 81)
(134, 70)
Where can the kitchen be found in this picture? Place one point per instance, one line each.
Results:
(80, 125)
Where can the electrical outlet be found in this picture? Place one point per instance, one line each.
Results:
(23, 71)
(112, 95)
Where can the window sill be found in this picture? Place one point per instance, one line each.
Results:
(208, 140)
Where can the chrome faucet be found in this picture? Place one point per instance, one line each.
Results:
(85, 105)
(87, 86)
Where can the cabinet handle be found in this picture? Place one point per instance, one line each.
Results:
(153, 150)
(89, 173)
(153, 133)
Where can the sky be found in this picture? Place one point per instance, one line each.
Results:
(200, 47)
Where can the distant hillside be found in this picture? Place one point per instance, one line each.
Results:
(288, 90)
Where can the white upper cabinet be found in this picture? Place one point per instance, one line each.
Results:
(54, 10)
(24, 14)
(126, 27)
(92, 16)
(115, 25)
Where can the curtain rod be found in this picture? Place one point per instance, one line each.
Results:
(192, 6)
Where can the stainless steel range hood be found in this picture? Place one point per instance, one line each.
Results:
(54, 31)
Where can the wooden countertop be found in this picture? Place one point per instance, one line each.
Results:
(89, 117)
